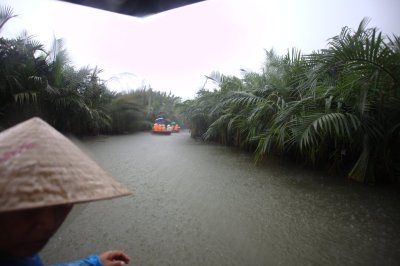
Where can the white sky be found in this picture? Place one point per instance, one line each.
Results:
(173, 50)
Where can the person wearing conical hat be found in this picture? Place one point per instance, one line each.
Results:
(42, 175)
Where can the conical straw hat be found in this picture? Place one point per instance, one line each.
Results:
(40, 167)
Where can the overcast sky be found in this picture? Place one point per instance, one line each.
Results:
(173, 50)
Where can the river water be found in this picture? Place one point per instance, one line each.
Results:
(200, 204)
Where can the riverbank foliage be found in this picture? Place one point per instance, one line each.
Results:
(338, 107)
(39, 82)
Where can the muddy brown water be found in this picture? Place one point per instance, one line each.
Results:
(202, 204)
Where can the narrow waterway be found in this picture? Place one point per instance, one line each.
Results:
(201, 204)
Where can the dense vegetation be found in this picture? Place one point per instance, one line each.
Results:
(37, 82)
(338, 107)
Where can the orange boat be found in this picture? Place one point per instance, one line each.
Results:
(162, 126)
(175, 127)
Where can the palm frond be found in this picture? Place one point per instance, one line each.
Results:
(6, 13)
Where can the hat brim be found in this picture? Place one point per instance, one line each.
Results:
(40, 167)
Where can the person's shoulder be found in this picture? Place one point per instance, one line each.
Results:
(26, 261)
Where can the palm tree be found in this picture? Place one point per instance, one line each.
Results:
(339, 106)
(22, 78)
(6, 13)
(348, 111)
(364, 66)
(126, 114)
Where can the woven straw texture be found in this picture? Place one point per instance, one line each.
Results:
(40, 167)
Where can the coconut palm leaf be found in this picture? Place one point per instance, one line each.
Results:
(6, 13)
(338, 105)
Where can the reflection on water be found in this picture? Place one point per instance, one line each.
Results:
(199, 204)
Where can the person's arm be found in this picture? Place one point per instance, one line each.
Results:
(108, 258)
(92, 260)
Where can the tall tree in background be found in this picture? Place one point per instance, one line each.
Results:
(22, 74)
(36, 82)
